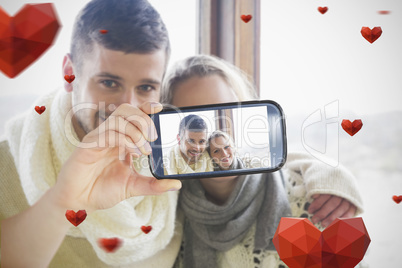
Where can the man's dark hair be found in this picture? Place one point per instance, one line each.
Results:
(133, 26)
(193, 123)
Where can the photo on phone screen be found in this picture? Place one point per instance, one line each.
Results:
(218, 140)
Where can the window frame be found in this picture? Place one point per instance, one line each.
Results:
(222, 32)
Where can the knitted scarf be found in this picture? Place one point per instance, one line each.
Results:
(177, 164)
(209, 228)
(40, 144)
(236, 164)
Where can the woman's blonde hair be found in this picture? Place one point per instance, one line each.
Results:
(202, 66)
(217, 134)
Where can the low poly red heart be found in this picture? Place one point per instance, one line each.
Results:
(246, 18)
(110, 244)
(352, 128)
(371, 35)
(322, 10)
(26, 36)
(40, 109)
(69, 78)
(146, 229)
(397, 199)
(342, 244)
(76, 218)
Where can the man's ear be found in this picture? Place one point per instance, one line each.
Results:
(178, 138)
(68, 70)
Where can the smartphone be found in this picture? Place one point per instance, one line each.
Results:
(218, 140)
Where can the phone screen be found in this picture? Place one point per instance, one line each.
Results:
(218, 140)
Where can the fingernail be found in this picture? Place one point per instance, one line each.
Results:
(173, 189)
(152, 134)
(147, 147)
(154, 105)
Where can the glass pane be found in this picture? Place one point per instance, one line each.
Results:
(321, 70)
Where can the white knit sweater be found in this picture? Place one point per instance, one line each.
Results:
(41, 144)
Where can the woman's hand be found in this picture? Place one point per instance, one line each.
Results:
(326, 208)
(99, 173)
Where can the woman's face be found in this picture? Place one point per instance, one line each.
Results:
(211, 89)
(221, 152)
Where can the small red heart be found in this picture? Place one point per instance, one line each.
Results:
(110, 244)
(397, 199)
(246, 18)
(40, 109)
(69, 78)
(103, 31)
(323, 10)
(384, 12)
(371, 35)
(76, 218)
(352, 128)
(146, 229)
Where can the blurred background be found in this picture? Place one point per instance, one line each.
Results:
(318, 67)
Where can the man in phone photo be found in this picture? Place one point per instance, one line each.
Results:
(189, 154)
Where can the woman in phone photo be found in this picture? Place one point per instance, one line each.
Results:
(222, 151)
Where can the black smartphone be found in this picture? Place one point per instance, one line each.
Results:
(218, 140)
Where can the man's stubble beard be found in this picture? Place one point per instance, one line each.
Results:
(79, 115)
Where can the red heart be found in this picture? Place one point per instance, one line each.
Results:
(110, 244)
(342, 244)
(40, 109)
(397, 199)
(384, 12)
(76, 218)
(371, 35)
(352, 128)
(69, 78)
(103, 31)
(146, 229)
(26, 36)
(246, 18)
(323, 9)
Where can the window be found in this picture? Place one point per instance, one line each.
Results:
(310, 61)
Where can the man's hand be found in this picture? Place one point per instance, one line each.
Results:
(327, 208)
(99, 174)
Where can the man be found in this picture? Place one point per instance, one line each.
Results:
(78, 154)
(189, 155)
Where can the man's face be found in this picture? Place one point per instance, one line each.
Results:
(109, 78)
(192, 145)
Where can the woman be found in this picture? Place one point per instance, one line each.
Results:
(230, 221)
(222, 152)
